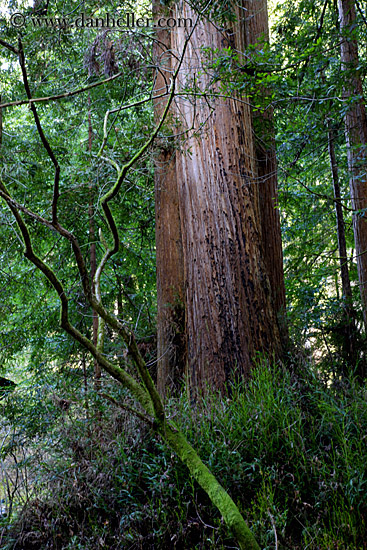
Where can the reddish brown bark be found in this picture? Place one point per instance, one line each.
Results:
(171, 338)
(356, 138)
(230, 313)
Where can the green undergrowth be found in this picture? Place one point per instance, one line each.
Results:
(290, 448)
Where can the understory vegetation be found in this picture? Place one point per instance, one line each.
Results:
(290, 448)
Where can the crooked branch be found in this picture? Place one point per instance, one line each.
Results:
(45, 142)
(119, 374)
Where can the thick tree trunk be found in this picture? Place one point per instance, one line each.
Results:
(171, 336)
(356, 137)
(256, 26)
(230, 314)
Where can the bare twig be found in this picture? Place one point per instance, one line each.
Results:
(124, 407)
(8, 46)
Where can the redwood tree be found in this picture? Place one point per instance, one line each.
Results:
(230, 312)
(356, 138)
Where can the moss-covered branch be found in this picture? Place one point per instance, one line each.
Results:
(173, 437)
(119, 374)
(105, 200)
(217, 494)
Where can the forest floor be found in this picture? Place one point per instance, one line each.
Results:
(289, 447)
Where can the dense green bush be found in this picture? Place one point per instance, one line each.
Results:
(290, 448)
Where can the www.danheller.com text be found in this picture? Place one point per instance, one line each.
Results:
(128, 21)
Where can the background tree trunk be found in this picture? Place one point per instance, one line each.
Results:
(342, 246)
(348, 322)
(356, 138)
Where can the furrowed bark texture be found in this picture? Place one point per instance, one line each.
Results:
(256, 25)
(171, 336)
(356, 138)
(229, 309)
